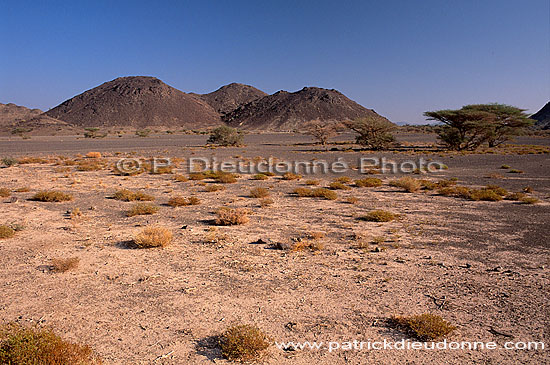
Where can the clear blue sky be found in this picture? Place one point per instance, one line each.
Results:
(400, 58)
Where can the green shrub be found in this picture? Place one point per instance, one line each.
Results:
(226, 136)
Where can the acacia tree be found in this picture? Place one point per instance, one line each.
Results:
(374, 132)
(322, 131)
(226, 136)
(472, 125)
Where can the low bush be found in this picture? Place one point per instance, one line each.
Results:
(129, 196)
(260, 177)
(4, 193)
(379, 216)
(229, 217)
(62, 265)
(266, 202)
(259, 193)
(180, 201)
(244, 343)
(291, 176)
(324, 193)
(153, 236)
(338, 186)
(369, 182)
(425, 327)
(21, 345)
(312, 182)
(142, 209)
(52, 196)
(6, 231)
(407, 183)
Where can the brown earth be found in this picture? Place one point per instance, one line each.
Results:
(137, 101)
(284, 111)
(483, 266)
(10, 113)
(229, 97)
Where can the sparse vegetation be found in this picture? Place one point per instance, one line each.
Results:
(41, 346)
(229, 217)
(60, 265)
(153, 236)
(197, 176)
(424, 327)
(379, 216)
(407, 183)
(351, 199)
(226, 136)
(307, 244)
(374, 132)
(369, 182)
(181, 178)
(212, 188)
(312, 182)
(266, 202)
(52, 196)
(243, 343)
(180, 201)
(6, 231)
(9, 161)
(4, 193)
(259, 192)
(322, 130)
(142, 209)
(260, 177)
(126, 195)
(291, 176)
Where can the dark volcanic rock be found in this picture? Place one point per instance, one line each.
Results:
(136, 101)
(542, 117)
(229, 97)
(285, 111)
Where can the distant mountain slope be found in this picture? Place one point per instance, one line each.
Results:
(11, 113)
(229, 97)
(285, 111)
(542, 117)
(136, 101)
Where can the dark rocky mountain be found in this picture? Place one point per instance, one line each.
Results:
(11, 113)
(229, 97)
(286, 111)
(136, 101)
(542, 117)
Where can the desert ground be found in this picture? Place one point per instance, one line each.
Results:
(481, 265)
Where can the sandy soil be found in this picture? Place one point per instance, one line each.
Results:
(487, 262)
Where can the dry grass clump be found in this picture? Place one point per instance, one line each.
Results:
(529, 200)
(126, 195)
(497, 189)
(197, 176)
(6, 231)
(407, 183)
(312, 182)
(28, 160)
(181, 178)
(213, 188)
(489, 193)
(369, 182)
(307, 244)
(259, 193)
(425, 327)
(316, 193)
(52, 196)
(260, 177)
(302, 192)
(515, 171)
(379, 216)
(516, 196)
(291, 176)
(93, 155)
(180, 201)
(23, 189)
(266, 202)
(4, 192)
(91, 165)
(351, 200)
(153, 236)
(335, 185)
(63, 265)
(40, 346)
(230, 217)
(324, 193)
(343, 179)
(158, 170)
(244, 343)
(221, 177)
(142, 209)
